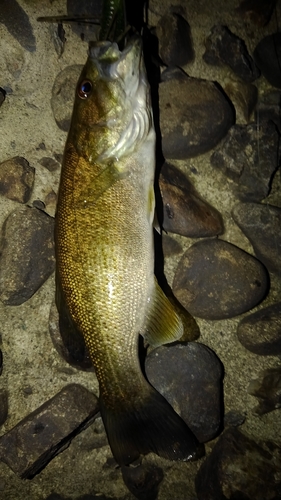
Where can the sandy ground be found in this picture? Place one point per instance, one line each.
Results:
(30, 360)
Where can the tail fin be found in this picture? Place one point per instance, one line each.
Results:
(150, 424)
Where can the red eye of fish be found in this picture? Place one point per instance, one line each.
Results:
(85, 89)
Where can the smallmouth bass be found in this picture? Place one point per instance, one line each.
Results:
(105, 254)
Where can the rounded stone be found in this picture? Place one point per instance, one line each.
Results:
(267, 56)
(189, 377)
(261, 331)
(216, 280)
(63, 94)
(175, 42)
(184, 211)
(187, 107)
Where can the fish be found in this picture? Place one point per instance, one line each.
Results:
(105, 253)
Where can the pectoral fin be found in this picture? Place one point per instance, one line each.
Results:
(109, 176)
(162, 324)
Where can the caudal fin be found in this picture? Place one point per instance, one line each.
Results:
(148, 425)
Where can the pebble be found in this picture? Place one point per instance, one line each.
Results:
(74, 350)
(49, 163)
(267, 388)
(63, 93)
(184, 212)
(39, 437)
(249, 157)
(234, 418)
(244, 96)
(225, 48)
(175, 41)
(187, 108)
(16, 179)
(239, 468)
(267, 55)
(258, 12)
(27, 258)
(261, 331)
(3, 406)
(189, 376)
(216, 280)
(142, 480)
(17, 23)
(261, 223)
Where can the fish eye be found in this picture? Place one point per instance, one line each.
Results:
(85, 89)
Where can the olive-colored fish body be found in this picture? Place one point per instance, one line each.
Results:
(104, 248)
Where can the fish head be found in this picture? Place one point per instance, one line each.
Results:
(112, 111)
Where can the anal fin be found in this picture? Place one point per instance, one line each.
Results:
(162, 323)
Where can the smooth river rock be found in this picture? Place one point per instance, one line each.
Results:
(63, 93)
(249, 157)
(216, 280)
(189, 376)
(267, 55)
(27, 254)
(194, 116)
(260, 332)
(261, 223)
(184, 211)
(174, 34)
(239, 468)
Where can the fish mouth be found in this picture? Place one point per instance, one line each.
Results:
(113, 63)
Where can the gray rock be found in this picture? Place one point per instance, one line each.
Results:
(27, 254)
(63, 93)
(194, 116)
(249, 157)
(189, 376)
(184, 212)
(269, 107)
(3, 406)
(267, 55)
(239, 468)
(234, 418)
(261, 223)
(142, 480)
(267, 388)
(223, 47)
(175, 42)
(216, 280)
(244, 96)
(258, 12)
(16, 179)
(39, 437)
(261, 331)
